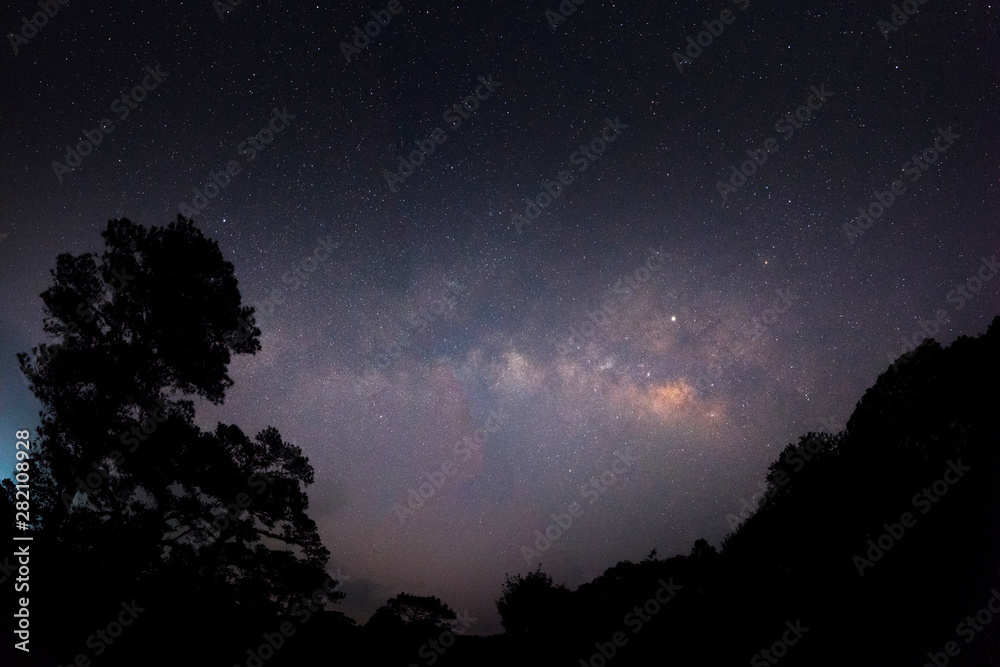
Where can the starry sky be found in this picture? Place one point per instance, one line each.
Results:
(575, 297)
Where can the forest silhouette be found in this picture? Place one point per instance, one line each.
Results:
(870, 546)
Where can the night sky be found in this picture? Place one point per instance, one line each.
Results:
(575, 273)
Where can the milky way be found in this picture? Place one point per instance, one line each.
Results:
(495, 246)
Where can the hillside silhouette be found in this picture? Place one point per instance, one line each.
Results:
(870, 547)
(922, 440)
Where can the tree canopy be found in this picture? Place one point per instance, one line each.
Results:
(124, 480)
(412, 613)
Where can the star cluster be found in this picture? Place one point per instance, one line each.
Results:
(510, 270)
